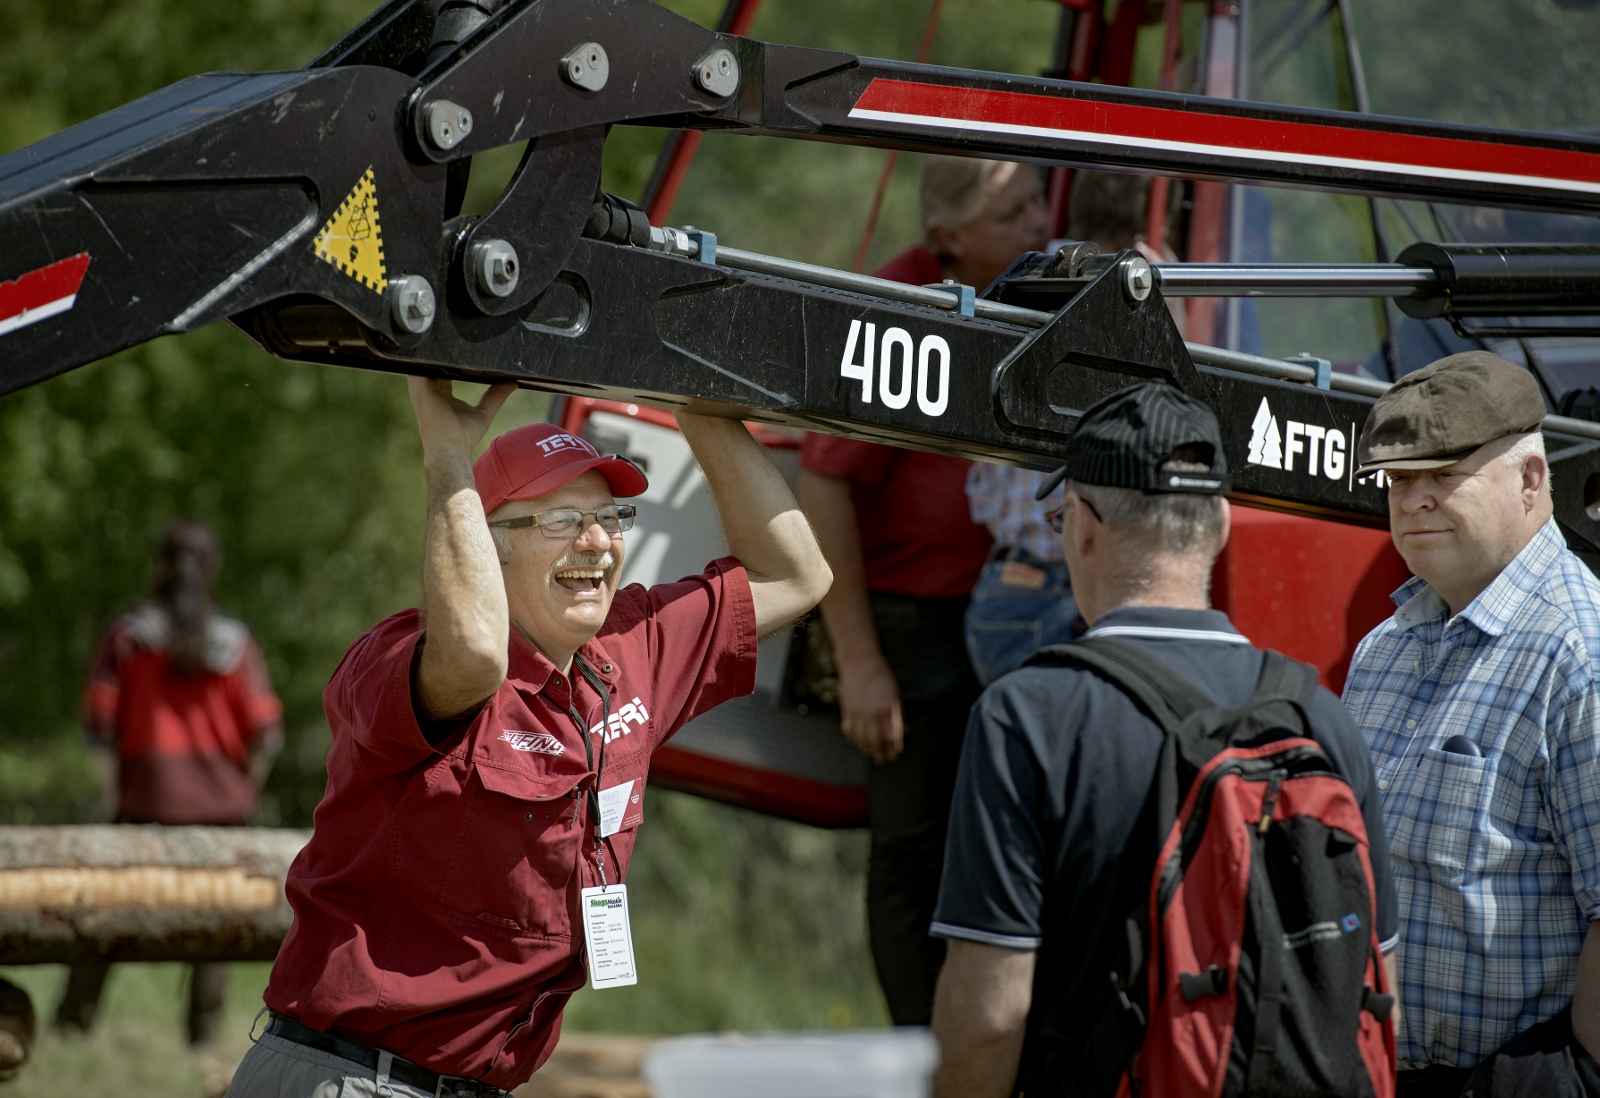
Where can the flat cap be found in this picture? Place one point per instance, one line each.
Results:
(1449, 408)
(1130, 438)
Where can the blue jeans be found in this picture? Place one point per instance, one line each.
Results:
(1007, 620)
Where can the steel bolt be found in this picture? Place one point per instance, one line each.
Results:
(494, 265)
(1137, 277)
(413, 303)
(447, 123)
(718, 72)
(586, 66)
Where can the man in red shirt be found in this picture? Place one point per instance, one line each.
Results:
(905, 554)
(183, 727)
(490, 754)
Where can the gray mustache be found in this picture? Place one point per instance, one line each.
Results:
(604, 561)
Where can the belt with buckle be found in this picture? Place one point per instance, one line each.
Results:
(401, 1071)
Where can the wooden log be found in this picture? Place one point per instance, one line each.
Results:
(143, 893)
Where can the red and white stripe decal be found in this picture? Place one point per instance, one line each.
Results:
(43, 293)
(1132, 126)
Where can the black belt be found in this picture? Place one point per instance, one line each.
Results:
(401, 1071)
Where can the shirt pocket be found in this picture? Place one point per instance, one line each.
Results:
(632, 769)
(1448, 813)
(519, 848)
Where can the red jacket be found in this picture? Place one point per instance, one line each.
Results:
(183, 741)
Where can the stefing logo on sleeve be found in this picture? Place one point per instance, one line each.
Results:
(898, 378)
(632, 713)
(1322, 448)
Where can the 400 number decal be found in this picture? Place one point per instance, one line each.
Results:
(898, 376)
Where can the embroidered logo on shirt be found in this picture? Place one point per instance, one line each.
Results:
(541, 742)
(632, 713)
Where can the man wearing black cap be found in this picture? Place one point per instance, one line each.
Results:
(1478, 700)
(1046, 855)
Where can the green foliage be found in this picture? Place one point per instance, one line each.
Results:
(1526, 65)
(809, 200)
(308, 474)
(741, 922)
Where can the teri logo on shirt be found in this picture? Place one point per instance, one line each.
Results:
(1273, 448)
(891, 359)
(633, 712)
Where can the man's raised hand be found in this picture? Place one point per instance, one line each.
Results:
(446, 420)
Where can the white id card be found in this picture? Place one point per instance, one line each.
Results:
(613, 806)
(610, 939)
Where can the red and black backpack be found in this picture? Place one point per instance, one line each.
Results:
(1250, 965)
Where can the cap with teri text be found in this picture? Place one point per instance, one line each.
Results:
(541, 457)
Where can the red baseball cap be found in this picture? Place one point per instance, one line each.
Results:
(540, 458)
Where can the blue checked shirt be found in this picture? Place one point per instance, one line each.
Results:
(1001, 498)
(1496, 859)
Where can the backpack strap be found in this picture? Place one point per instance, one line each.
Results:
(1161, 691)
(1287, 678)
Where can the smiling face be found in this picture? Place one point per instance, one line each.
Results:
(1459, 526)
(560, 589)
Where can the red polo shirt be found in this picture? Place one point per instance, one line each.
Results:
(917, 536)
(436, 906)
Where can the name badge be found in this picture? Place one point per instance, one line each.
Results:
(609, 937)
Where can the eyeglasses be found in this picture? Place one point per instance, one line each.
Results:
(613, 519)
(1057, 518)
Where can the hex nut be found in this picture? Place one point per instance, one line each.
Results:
(586, 66)
(718, 72)
(413, 305)
(1138, 279)
(494, 267)
(447, 124)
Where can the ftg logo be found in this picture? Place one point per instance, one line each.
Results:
(1297, 447)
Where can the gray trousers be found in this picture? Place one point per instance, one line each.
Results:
(275, 1068)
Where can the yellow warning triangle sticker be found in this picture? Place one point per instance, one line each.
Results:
(351, 241)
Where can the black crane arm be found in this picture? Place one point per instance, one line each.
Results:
(314, 209)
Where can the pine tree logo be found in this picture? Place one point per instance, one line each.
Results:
(1266, 444)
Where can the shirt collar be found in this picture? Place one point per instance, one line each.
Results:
(533, 667)
(1167, 619)
(1498, 604)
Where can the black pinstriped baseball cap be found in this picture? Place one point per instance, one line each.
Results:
(1128, 439)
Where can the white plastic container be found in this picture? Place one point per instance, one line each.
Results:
(894, 1063)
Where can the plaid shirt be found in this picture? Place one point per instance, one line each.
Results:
(1001, 498)
(1496, 859)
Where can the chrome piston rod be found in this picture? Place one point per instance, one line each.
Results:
(1296, 280)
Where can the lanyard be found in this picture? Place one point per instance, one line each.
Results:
(588, 748)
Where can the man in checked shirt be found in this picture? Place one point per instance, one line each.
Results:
(1478, 701)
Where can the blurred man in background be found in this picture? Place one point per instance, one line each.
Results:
(905, 553)
(183, 726)
(1023, 600)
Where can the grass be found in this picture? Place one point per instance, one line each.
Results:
(138, 1049)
